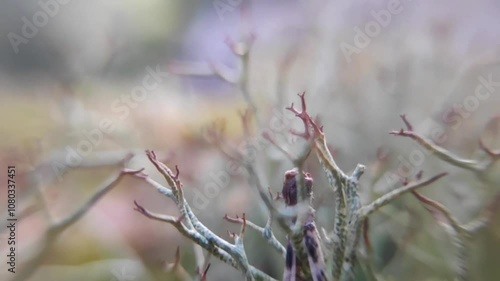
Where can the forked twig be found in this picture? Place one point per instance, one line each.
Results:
(57, 227)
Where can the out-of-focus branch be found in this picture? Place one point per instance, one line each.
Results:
(290, 219)
(54, 167)
(238, 77)
(215, 134)
(460, 234)
(485, 216)
(204, 266)
(57, 228)
(175, 267)
(444, 154)
(396, 193)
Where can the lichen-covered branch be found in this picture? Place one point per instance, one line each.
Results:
(350, 214)
(337, 178)
(266, 232)
(190, 226)
(396, 193)
(307, 257)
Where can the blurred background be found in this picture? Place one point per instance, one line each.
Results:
(83, 83)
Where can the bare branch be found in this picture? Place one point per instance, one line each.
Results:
(408, 125)
(485, 216)
(232, 254)
(56, 228)
(265, 231)
(440, 152)
(339, 182)
(494, 155)
(177, 222)
(392, 195)
(458, 235)
(203, 274)
(440, 213)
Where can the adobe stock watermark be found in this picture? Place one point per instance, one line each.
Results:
(363, 37)
(454, 117)
(30, 28)
(220, 180)
(222, 7)
(89, 140)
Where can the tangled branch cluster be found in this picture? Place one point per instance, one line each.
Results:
(309, 255)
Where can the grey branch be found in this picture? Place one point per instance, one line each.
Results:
(57, 228)
(190, 226)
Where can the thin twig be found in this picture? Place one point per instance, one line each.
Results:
(190, 226)
(439, 151)
(57, 228)
(265, 231)
(392, 195)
